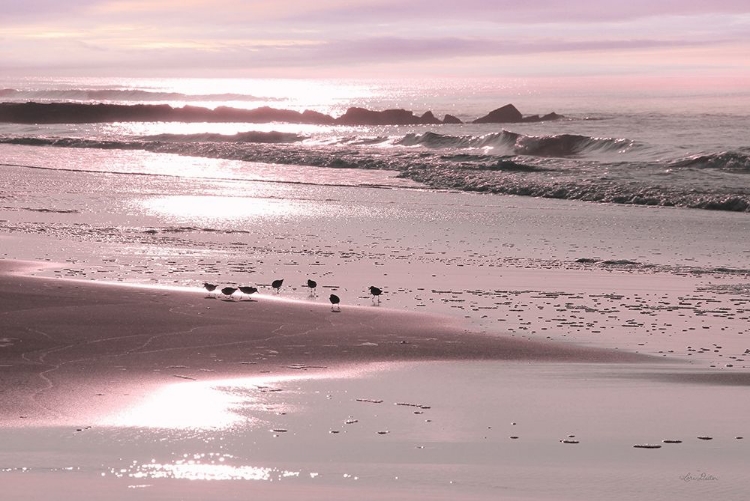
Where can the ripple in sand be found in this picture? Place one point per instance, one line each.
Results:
(370, 400)
(672, 441)
(383, 432)
(351, 421)
(569, 441)
(705, 438)
(647, 446)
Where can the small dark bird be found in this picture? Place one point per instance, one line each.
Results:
(209, 288)
(228, 291)
(334, 299)
(247, 290)
(312, 284)
(276, 284)
(376, 292)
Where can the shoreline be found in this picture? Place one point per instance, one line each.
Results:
(61, 333)
(150, 391)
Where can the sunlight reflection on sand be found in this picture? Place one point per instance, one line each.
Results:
(218, 404)
(202, 467)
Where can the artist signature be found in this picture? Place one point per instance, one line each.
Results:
(703, 476)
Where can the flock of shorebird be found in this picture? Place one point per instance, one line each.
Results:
(247, 290)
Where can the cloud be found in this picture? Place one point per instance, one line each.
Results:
(513, 11)
(271, 35)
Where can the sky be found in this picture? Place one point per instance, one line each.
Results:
(651, 39)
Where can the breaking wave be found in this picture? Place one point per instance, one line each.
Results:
(562, 145)
(240, 137)
(731, 161)
(466, 163)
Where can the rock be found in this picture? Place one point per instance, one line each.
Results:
(32, 113)
(362, 116)
(429, 119)
(551, 116)
(506, 114)
(450, 119)
(544, 118)
(314, 117)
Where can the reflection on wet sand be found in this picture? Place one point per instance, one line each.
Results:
(204, 466)
(208, 405)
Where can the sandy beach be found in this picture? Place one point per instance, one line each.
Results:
(574, 380)
(62, 335)
(131, 389)
(521, 348)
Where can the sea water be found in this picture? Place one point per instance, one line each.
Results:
(666, 147)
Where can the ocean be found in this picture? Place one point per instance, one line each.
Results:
(621, 225)
(666, 148)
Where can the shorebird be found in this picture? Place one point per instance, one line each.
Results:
(376, 292)
(247, 290)
(276, 284)
(334, 299)
(312, 284)
(228, 291)
(209, 288)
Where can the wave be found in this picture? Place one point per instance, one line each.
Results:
(435, 141)
(636, 183)
(566, 145)
(528, 183)
(730, 161)
(240, 137)
(122, 95)
(502, 143)
(562, 145)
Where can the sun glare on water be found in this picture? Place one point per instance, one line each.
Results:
(189, 405)
(211, 208)
(218, 404)
(210, 466)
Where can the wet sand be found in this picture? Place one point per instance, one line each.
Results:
(142, 391)
(593, 328)
(61, 335)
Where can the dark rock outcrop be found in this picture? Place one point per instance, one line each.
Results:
(544, 118)
(48, 113)
(429, 119)
(363, 116)
(506, 114)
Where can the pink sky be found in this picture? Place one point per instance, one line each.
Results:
(366, 38)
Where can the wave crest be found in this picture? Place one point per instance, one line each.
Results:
(732, 161)
(240, 137)
(562, 145)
